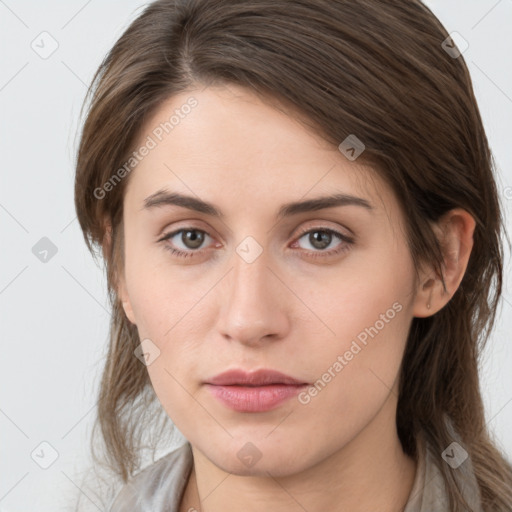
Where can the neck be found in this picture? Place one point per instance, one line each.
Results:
(371, 472)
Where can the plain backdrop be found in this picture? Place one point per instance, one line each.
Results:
(54, 313)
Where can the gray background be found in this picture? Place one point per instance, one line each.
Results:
(54, 314)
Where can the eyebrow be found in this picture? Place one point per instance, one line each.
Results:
(164, 198)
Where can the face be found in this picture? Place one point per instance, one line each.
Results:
(325, 296)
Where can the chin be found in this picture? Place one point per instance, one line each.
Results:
(259, 458)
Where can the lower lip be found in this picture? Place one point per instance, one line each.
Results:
(254, 399)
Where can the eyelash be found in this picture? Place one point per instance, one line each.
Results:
(345, 246)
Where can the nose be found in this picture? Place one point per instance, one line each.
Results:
(253, 303)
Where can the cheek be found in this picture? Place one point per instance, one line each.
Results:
(355, 373)
(369, 312)
(370, 335)
(172, 311)
(371, 293)
(158, 297)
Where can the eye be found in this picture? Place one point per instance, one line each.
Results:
(191, 238)
(322, 238)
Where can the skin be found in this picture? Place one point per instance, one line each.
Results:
(286, 310)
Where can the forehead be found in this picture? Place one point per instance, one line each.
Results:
(227, 144)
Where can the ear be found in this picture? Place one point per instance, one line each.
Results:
(119, 279)
(455, 233)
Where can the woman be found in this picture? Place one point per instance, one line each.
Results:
(296, 205)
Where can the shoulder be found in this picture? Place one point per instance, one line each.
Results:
(158, 487)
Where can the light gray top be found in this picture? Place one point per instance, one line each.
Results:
(160, 486)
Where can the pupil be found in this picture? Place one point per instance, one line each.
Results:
(322, 241)
(193, 239)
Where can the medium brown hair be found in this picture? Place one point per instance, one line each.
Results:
(376, 69)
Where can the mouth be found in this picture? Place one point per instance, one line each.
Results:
(259, 391)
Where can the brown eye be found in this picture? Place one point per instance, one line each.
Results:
(321, 238)
(191, 239)
(187, 241)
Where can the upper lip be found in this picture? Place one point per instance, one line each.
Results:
(256, 378)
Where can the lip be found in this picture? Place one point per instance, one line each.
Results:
(262, 377)
(257, 391)
(254, 398)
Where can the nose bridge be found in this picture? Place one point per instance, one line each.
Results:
(251, 303)
(250, 278)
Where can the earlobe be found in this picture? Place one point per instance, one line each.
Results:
(424, 304)
(125, 301)
(430, 285)
(128, 311)
(455, 233)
